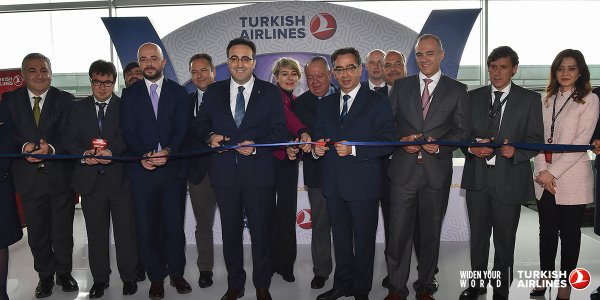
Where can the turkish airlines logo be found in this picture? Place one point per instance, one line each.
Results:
(303, 219)
(323, 26)
(579, 278)
(17, 80)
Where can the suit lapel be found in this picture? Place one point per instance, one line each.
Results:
(49, 103)
(437, 96)
(92, 115)
(416, 96)
(111, 118)
(511, 109)
(225, 102)
(253, 102)
(357, 105)
(25, 106)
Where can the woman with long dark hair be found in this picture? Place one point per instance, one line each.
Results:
(565, 179)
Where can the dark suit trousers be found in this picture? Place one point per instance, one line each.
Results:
(385, 199)
(320, 245)
(284, 229)
(559, 220)
(354, 226)
(414, 200)
(204, 204)
(259, 205)
(488, 213)
(98, 207)
(159, 199)
(49, 217)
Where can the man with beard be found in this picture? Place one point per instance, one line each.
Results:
(132, 73)
(154, 119)
(374, 68)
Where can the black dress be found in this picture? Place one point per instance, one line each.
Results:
(10, 226)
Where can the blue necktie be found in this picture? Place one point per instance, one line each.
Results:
(344, 108)
(239, 106)
(101, 107)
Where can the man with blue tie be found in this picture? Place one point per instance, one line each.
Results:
(243, 110)
(154, 119)
(201, 192)
(351, 176)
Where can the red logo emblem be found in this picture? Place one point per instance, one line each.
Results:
(579, 278)
(303, 219)
(17, 80)
(323, 26)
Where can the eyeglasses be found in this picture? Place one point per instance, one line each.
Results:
(397, 64)
(96, 82)
(349, 69)
(235, 59)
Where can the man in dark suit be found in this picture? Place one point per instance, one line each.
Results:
(375, 73)
(498, 181)
(318, 79)
(394, 67)
(243, 110)
(154, 119)
(39, 112)
(93, 129)
(201, 192)
(351, 176)
(430, 106)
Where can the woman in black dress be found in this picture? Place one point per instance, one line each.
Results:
(10, 227)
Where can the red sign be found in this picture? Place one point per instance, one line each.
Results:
(303, 219)
(323, 26)
(10, 79)
(579, 278)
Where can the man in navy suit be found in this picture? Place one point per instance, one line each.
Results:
(351, 181)
(154, 120)
(243, 110)
(39, 112)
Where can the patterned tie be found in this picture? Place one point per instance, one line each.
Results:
(240, 109)
(425, 100)
(495, 116)
(154, 98)
(37, 112)
(344, 108)
(101, 107)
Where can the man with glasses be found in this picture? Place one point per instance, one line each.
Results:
(93, 130)
(374, 68)
(155, 118)
(39, 112)
(243, 110)
(351, 175)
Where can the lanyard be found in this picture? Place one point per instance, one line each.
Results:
(555, 115)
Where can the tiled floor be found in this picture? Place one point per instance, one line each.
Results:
(454, 257)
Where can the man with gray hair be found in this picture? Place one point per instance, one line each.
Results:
(394, 67)
(39, 112)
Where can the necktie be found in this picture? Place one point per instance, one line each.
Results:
(154, 98)
(377, 88)
(495, 116)
(240, 108)
(344, 108)
(101, 107)
(425, 101)
(37, 112)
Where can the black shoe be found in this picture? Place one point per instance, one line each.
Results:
(363, 297)
(537, 293)
(140, 274)
(318, 282)
(67, 282)
(386, 282)
(288, 277)
(129, 288)
(44, 287)
(97, 290)
(157, 290)
(181, 285)
(205, 279)
(595, 294)
(472, 293)
(332, 294)
(499, 297)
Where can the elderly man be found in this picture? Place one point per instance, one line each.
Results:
(394, 67)
(155, 118)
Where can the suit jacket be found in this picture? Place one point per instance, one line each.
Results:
(142, 130)
(82, 128)
(7, 141)
(264, 122)
(446, 120)
(198, 165)
(305, 108)
(572, 170)
(369, 119)
(521, 123)
(51, 129)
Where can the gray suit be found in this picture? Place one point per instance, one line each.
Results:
(495, 194)
(420, 190)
